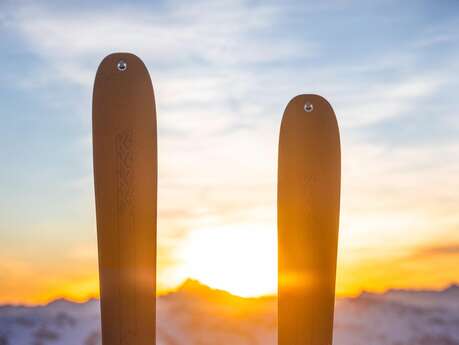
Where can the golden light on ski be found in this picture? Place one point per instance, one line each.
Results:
(125, 180)
(296, 280)
(309, 173)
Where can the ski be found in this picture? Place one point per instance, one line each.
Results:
(125, 179)
(309, 173)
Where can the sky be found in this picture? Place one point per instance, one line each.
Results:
(223, 73)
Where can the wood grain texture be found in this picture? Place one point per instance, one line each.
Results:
(125, 176)
(309, 171)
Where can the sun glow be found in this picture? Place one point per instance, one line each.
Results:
(241, 259)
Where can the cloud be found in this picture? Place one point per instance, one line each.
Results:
(445, 249)
(223, 73)
(199, 33)
(387, 99)
(213, 55)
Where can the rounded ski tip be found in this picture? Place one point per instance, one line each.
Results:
(121, 72)
(122, 65)
(115, 63)
(309, 103)
(308, 107)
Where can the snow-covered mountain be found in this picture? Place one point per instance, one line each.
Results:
(196, 314)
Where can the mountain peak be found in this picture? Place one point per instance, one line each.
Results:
(193, 285)
(196, 289)
(61, 302)
(453, 288)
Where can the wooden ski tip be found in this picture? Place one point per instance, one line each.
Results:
(121, 65)
(125, 179)
(309, 172)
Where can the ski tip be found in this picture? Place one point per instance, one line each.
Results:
(118, 56)
(310, 110)
(120, 62)
(309, 103)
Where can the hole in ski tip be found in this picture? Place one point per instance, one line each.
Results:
(121, 65)
(308, 107)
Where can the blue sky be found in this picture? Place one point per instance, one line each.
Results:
(223, 73)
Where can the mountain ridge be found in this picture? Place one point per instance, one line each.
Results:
(194, 287)
(198, 314)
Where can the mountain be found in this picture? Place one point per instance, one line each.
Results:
(197, 314)
(447, 299)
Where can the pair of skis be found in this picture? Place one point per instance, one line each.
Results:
(125, 174)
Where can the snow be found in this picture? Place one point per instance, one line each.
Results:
(196, 314)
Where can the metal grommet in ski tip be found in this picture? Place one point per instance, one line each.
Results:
(122, 65)
(308, 107)
(125, 181)
(309, 174)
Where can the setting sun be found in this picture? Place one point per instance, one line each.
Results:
(240, 259)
